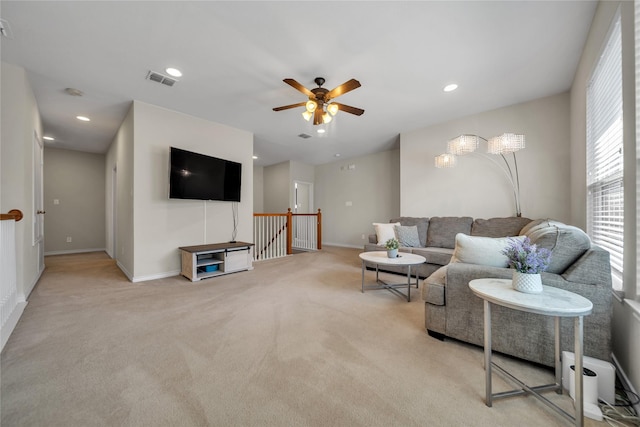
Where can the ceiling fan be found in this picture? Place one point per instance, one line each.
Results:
(320, 105)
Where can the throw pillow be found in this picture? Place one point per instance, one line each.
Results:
(385, 231)
(481, 250)
(407, 236)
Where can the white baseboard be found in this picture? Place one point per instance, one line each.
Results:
(342, 245)
(74, 251)
(12, 321)
(624, 379)
(125, 271)
(155, 276)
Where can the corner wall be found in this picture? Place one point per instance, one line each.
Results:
(119, 197)
(160, 224)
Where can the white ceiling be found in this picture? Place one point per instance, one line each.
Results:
(234, 56)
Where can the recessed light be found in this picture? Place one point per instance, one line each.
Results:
(48, 138)
(337, 154)
(255, 157)
(174, 72)
(321, 131)
(451, 87)
(83, 118)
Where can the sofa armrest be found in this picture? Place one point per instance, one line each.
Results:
(465, 313)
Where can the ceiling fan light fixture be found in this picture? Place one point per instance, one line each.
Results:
(311, 105)
(333, 109)
(307, 115)
(326, 118)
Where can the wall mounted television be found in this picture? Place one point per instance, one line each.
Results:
(201, 177)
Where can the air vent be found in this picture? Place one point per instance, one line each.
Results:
(304, 136)
(160, 78)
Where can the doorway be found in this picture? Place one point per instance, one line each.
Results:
(303, 233)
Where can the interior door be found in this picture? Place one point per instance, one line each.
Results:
(38, 200)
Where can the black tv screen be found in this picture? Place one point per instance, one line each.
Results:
(196, 176)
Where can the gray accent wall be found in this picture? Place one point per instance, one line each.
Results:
(355, 193)
(76, 181)
(277, 188)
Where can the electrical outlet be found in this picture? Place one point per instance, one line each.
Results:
(362, 237)
(56, 201)
(69, 239)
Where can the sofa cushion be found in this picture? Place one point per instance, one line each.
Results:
(566, 242)
(421, 222)
(499, 227)
(438, 256)
(481, 250)
(385, 231)
(407, 235)
(442, 230)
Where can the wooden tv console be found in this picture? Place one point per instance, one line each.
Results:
(204, 261)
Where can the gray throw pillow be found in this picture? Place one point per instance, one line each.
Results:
(407, 236)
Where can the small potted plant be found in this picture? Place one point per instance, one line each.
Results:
(392, 246)
(529, 261)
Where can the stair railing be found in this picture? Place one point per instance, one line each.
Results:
(278, 234)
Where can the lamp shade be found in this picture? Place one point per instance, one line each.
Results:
(311, 105)
(307, 115)
(326, 118)
(333, 109)
(505, 143)
(463, 144)
(446, 160)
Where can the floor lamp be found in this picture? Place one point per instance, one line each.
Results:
(503, 145)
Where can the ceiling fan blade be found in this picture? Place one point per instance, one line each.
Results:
(286, 107)
(317, 116)
(343, 88)
(350, 109)
(294, 84)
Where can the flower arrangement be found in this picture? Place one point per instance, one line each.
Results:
(526, 257)
(392, 243)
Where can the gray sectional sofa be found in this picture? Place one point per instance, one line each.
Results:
(460, 249)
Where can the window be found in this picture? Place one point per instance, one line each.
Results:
(605, 166)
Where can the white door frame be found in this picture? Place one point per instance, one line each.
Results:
(38, 200)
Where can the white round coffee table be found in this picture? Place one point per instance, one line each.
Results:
(403, 259)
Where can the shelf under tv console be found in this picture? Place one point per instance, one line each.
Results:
(204, 261)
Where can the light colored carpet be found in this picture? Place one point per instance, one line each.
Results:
(291, 343)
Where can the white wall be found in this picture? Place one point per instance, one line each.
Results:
(626, 326)
(161, 225)
(20, 118)
(476, 187)
(77, 181)
(372, 186)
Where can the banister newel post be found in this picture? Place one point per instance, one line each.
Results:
(289, 227)
(319, 229)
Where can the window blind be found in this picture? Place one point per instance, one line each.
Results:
(605, 165)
